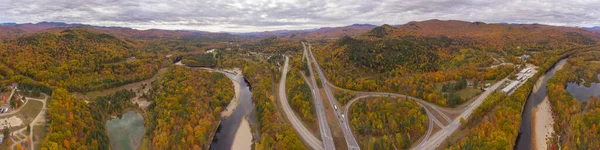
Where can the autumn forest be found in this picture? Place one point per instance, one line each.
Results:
(421, 85)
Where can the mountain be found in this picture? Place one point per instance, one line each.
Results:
(325, 32)
(13, 30)
(494, 35)
(593, 29)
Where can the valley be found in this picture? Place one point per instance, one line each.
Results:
(433, 84)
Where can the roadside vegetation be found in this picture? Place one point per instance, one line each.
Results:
(411, 58)
(298, 92)
(387, 123)
(344, 96)
(501, 114)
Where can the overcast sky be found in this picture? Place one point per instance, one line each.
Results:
(262, 15)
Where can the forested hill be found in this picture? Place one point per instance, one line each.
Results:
(495, 35)
(423, 45)
(10, 31)
(409, 58)
(78, 58)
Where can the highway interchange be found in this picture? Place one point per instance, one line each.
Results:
(430, 140)
(323, 125)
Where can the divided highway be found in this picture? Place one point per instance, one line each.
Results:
(350, 140)
(441, 135)
(323, 125)
(430, 141)
(306, 135)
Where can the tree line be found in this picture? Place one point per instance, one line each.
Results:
(576, 123)
(186, 107)
(387, 123)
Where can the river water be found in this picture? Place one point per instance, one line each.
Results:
(525, 141)
(225, 135)
(126, 132)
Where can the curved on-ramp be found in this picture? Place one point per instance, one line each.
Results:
(306, 135)
(432, 118)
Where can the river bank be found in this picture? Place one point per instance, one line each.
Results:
(234, 131)
(530, 134)
(234, 102)
(542, 125)
(243, 136)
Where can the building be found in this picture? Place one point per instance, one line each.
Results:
(210, 51)
(526, 70)
(510, 86)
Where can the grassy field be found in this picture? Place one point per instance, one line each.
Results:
(468, 93)
(39, 133)
(27, 113)
(30, 111)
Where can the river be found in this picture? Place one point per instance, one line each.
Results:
(524, 140)
(126, 132)
(225, 136)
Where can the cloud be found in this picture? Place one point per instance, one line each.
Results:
(260, 15)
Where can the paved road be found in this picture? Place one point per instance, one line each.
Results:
(323, 125)
(432, 119)
(350, 140)
(306, 135)
(441, 135)
(447, 110)
(433, 141)
(8, 100)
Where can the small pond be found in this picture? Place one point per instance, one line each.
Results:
(126, 132)
(583, 93)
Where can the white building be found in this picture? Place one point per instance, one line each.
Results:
(510, 86)
(210, 51)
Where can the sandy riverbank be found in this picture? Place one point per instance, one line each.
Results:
(234, 102)
(542, 125)
(235, 71)
(243, 137)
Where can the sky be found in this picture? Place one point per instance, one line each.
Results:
(266, 15)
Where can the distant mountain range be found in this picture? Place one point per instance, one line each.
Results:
(325, 32)
(12, 30)
(595, 28)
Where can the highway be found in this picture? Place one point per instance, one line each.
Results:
(432, 119)
(323, 125)
(350, 140)
(430, 141)
(430, 128)
(306, 135)
(441, 135)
